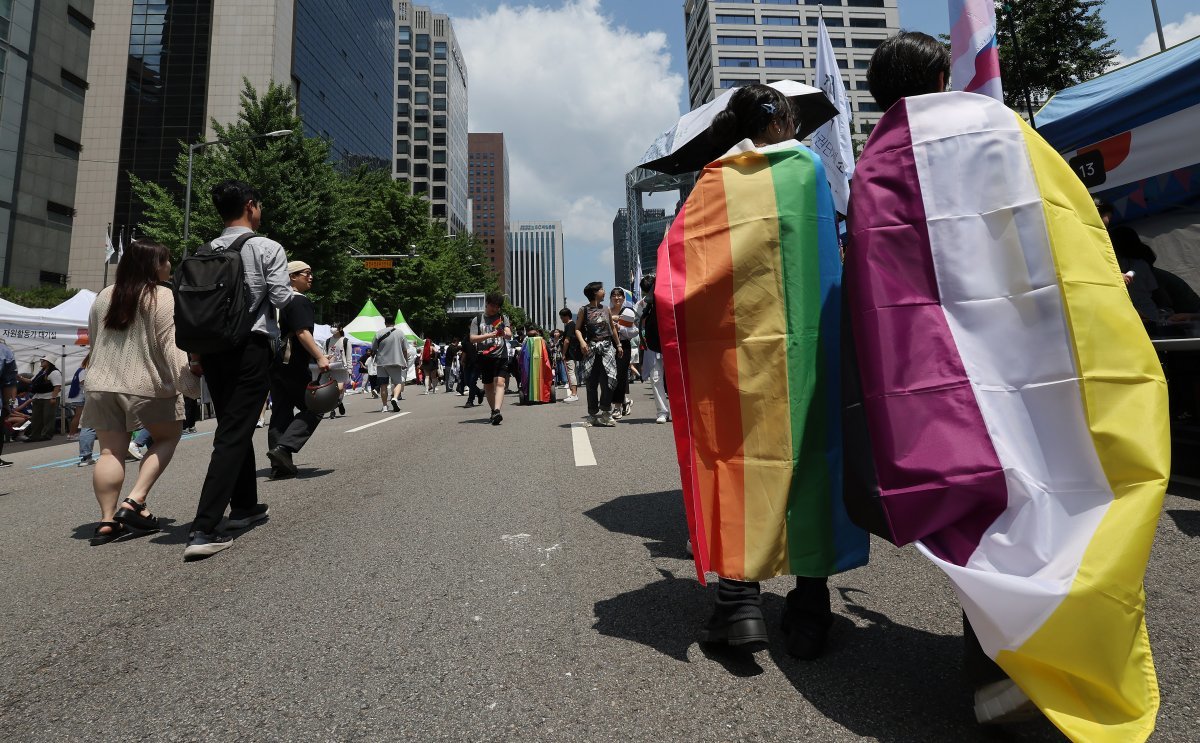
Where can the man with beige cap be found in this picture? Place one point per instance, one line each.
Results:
(290, 430)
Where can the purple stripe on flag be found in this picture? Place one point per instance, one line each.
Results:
(939, 476)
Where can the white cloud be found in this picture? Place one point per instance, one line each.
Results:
(579, 99)
(1173, 33)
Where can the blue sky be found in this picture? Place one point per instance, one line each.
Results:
(581, 87)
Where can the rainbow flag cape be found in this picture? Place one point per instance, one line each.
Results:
(1016, 409)
(536, 377)
(748, 291)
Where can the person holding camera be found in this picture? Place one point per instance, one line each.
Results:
(490, 333)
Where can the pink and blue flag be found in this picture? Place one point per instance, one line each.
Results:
(975, 56)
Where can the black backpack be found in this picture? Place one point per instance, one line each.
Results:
(212, 300)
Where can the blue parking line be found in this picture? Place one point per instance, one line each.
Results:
(65, 463)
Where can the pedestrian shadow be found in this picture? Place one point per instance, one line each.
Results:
(884, 681)
(84, 532)
(477, 421)
(658, 517)
(1188, 522)
(302, 473)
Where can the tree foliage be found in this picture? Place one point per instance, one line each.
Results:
(1062, 43)
(41, 297)
(323, 216)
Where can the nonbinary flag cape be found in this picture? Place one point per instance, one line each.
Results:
(832, 140)
(1016, 410)
(974, 54)
(748, 292)
(536, 376)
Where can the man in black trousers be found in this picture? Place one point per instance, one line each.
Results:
(292, 423)
(238, 379)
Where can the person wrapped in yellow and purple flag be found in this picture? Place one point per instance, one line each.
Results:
(1015, 409)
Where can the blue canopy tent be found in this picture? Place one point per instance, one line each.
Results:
(1131, 134)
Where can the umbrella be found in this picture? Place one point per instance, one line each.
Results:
(688, 146)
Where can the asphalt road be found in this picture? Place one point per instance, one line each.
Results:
(432, 578)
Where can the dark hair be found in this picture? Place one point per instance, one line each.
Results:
(907, 64)
(496, 299)
(1127, 245)
(750, 111)
(1104, 208)
(230, 197)
(565, 313)
(648, 284)
(590, 290)
(137, 276)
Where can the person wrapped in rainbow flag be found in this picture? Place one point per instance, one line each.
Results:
(748, 297)
(1012, 415)
(536, 379)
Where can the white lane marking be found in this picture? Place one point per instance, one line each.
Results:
(376, 423)
(583, 447)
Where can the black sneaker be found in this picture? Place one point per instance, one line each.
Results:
(5, 463)
(395, 406)
(282, 460)
(201, 545)
(242, 519)
(497, 417)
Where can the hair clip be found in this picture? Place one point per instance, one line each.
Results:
(769, 108)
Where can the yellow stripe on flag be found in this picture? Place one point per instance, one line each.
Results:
(1088, 667)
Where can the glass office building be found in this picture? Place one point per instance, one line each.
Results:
(184, 66)
(535, 271)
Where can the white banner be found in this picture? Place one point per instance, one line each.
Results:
(832, 141)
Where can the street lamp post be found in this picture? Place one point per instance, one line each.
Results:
(187, 193)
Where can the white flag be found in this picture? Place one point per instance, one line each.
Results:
(109, 250)
(120, 246)
(832, 141)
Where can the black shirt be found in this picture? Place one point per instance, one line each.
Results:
(295, 316)
(574, 352)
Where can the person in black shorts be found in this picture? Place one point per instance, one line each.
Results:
(490, 333)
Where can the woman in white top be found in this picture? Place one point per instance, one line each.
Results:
(136, 378)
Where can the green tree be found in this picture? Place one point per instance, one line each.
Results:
(1061, 42)
(300, 189)
(42, 297)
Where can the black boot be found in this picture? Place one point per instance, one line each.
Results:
(737, 620)
(807, 617)
(282, 460)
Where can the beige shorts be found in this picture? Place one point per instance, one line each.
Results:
(572, 378)
(116, 411)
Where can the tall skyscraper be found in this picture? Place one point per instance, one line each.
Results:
(43, 85)
(487, 179)
(161, 71)
(536, 281)
(431, 112)
(624, 261)
(733, 43)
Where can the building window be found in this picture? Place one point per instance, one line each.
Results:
(75, 17)
(422, 42)
(737, 62)
(403, 110)
(405, 35)
(866, 43)
(401, 165)
(862, 64)
(421, 98)
(403, 56)
(420, 170)
(439, 174)
(783, 41)
(868, 23)
(737, 41)
(439, 70)
(401, 128)
(439, 86)
(742, 20)
(439, 192)
(439, 156)
(828, 21)
(421, 115)
(833, 41)
(780, 20)
(439, 139)
(421, 133)
(422, 80)
(403, 91)
(71, 82)
(784, 62)
(439, 50)
(822, 2)
(67, 147)
(783, 2)
(59, 213)
(422, 63)
(863, 3)
(421, 152)
(439, 210)
(420, 187)
(439, 104)
(869, 108)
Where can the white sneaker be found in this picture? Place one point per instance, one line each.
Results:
(385, 409)
(617, 415)
(688, 548)
(135, 451)
(606, 420)
(571, 398)
(661, 418)
(1002, 702)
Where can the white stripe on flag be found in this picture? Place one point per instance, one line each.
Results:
(1000, 294)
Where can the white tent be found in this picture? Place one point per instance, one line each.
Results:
(59, 333)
